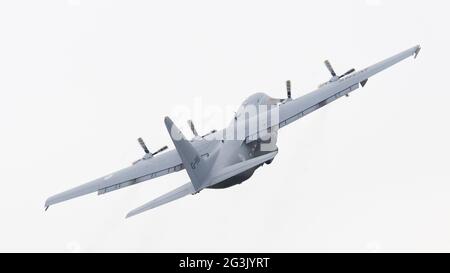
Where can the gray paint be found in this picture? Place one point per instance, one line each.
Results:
(214, 163)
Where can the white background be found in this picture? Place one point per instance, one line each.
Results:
(81, 80)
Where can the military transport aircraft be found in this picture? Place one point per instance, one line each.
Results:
(227, 157)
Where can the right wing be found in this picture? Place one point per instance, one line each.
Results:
(328, 93)
(160, 165)
(292, 110)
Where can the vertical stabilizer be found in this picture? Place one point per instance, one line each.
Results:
(197, 167)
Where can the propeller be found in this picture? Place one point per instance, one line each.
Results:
(144, 147)
(212, 132)
(288, 88)
(160, 150)
(330, 68)
(191, 125)
(347, 73)
(147, 151)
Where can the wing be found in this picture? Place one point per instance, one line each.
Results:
(292, 110)
(160, 165)
(304, 105)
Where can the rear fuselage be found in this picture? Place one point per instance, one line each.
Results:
(232, 151)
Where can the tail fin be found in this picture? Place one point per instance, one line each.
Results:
(197, 167)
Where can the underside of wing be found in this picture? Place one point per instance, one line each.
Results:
(144, 170)
(178, 193)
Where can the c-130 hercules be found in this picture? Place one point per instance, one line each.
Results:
(230, 156)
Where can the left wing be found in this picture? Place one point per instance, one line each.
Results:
(160, 165)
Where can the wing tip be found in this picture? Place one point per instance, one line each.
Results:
(129, 214)
(48, 203)
(416, 53)
(135, 211)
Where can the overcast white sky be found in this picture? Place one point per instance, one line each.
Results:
(81, 80)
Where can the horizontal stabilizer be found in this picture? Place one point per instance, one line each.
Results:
(240, 167)
(182, 191)
(188, 188)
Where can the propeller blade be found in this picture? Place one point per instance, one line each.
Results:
(160, 150)
(330, 68)
(288, 87)
(191, 124)
(347, 73)
(144, 147)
